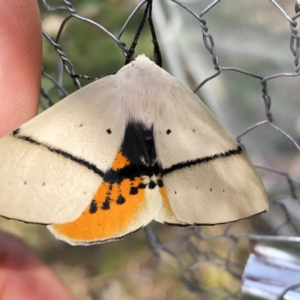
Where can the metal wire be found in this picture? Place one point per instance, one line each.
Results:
(194, 249)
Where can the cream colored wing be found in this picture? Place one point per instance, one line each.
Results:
(51, 167)
(207, 177)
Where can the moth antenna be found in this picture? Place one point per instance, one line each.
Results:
(130, 53)
(84, 77)
(90, 77)
(156, 50)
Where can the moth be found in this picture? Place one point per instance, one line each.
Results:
(126, 149)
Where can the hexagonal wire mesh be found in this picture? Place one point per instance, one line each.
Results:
(255, 97)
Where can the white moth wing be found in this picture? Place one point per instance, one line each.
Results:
(222, 185)
(49, 166)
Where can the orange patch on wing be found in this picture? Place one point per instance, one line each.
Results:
(166, 206)
(120, 161)
(116, 219)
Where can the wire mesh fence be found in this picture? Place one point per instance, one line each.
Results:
(261, 111)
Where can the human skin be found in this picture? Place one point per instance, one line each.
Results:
(22, 274)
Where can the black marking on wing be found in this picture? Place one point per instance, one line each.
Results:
(15, 132)
(107, 200)
(160, 183)
(152, 185)
(142, 186)
(106, 204)
(179, 224)
(134, 190)
(138, 148)
(65, 154)
(121, 200)
(128, 172)
(93, 207)
(202, 160)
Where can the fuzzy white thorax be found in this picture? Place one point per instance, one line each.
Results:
(143, 89)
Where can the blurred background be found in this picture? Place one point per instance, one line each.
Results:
(252, 35)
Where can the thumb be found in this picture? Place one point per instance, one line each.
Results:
(20, 62)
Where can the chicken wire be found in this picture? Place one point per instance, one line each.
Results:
(209, 260)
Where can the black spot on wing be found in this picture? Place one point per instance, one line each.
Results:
(106, 204)
(133, 190)
(15, 132)
(160, 183)
(168, 131)
(142, 186)
(152, 185)
(93, 207)
(121, 200)
(108, 131)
